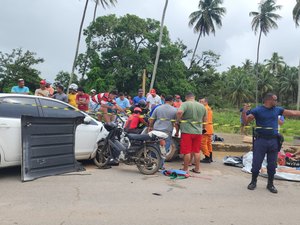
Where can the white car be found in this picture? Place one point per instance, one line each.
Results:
(13, 106)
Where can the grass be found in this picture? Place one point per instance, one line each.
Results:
(229, 122)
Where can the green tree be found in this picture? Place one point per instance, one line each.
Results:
(205, 19)
(238, 86)
(104, 3)
(296, 17)
(121, 48)
(159, 44)
(275, 64)
(266, 82)
(262, 22)
(289, 85)
(248, 65)
(296, 13)
(64, 78)
(16, 65)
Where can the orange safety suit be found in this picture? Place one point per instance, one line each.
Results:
(206, 145)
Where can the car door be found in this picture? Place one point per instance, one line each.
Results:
(86, 134)
(11, 110)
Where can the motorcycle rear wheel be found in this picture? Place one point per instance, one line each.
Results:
(103, 155)
(149, 160)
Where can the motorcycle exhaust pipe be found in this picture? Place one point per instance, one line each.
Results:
(117, 145)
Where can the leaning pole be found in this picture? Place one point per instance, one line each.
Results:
(298, 97)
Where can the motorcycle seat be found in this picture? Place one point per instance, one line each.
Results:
(139, 137)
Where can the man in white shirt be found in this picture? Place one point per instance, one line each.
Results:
(153, 99)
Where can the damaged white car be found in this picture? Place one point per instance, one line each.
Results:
(13, 106)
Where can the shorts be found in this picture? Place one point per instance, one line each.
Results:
(190, 143)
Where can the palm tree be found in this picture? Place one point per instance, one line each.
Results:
(296, 13)
(159, 44)
(103, 3)
(289, 84)
(296, 17)
(209, 14)
(275, 64)
(263, 21)
(266, 83)
(247, 65)
(238, 86)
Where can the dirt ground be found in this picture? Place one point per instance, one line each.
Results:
(233, 138)
(122, 195)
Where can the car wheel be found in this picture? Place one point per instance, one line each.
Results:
(174, 150)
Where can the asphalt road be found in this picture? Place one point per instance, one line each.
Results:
(122, 195)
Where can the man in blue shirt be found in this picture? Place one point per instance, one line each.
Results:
(139, 97)
(123, 102)
(266, 137)
(20, 88)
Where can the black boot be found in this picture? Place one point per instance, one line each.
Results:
(210, 157)
(253, 182)
(271, 186)
(205, 160)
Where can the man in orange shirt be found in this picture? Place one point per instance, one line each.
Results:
(206, 145)
(177, 103)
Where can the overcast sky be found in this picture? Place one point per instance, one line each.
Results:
(50, 28)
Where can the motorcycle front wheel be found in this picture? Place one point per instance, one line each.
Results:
(149, 160)
(103, 155)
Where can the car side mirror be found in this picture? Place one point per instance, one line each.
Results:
(87, 120)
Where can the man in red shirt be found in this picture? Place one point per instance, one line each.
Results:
(107, 105)
(82, 100)
(133, 122)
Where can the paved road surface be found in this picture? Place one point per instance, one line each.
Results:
(121, 195)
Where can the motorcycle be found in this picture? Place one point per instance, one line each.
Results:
(141, 150)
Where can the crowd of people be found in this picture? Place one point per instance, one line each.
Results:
(153, 111)
(194, 119)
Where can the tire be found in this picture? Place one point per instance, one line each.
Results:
(173, 152)
(149, 160)
(103, 155)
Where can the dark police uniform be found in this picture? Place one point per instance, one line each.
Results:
(266, 143)
(266, 138)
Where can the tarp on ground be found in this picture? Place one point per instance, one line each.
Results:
(282, 172)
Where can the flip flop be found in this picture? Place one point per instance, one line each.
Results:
(194, 171)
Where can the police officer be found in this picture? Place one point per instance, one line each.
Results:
(266, 140)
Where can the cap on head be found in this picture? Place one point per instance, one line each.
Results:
(93, 91)
(20, 80)
(152, 91)
(43, 82)
(140, 91)
(177, 96)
